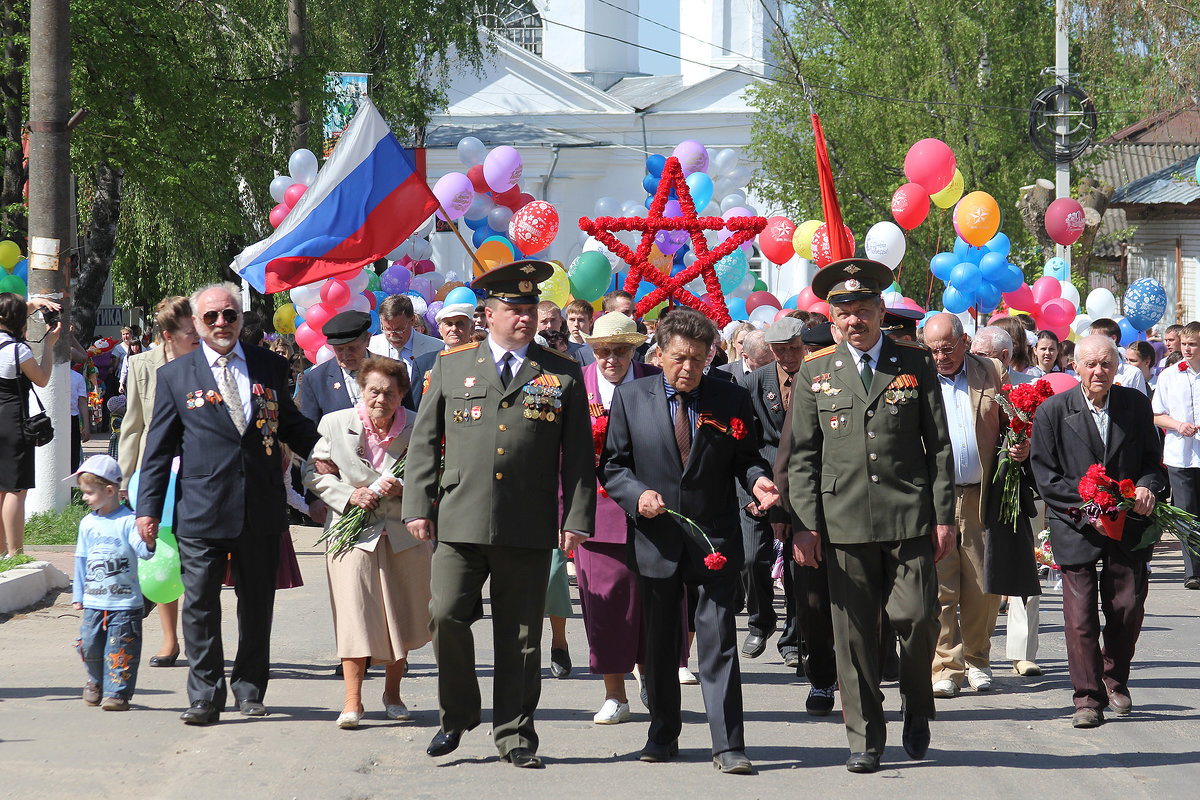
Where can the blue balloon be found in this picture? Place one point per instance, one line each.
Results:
(987, 296)
(792, 302)
(994, 266)
(21, 269)
(649, 200)
(965, 277)
(701, 187)
(999, 244)
(460, 294)
(655, 164)
(1129, 334)
(966, 252)
(737, 308)
(375, 321)
(942, 265)
(650, 184)
(1144, 303)
(955, 301)
(476, 224)
(168, 512)
(299, 320)
(478, 235)
(1011, 280)
(731, 270)
(1057, 268)
(644, 288)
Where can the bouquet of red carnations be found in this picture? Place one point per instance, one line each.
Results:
(1106, 502)
(1020, 403)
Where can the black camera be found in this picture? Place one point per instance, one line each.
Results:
(50, 318)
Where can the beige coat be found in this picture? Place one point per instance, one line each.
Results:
(140, 383)
(343, 441)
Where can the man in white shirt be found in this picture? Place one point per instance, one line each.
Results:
(1128, 375)
(397, 338)
(1176, 405)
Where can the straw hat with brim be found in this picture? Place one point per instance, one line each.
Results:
(615, 328)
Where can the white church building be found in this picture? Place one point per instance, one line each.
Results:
(564, 88)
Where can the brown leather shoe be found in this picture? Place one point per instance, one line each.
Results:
(1120, 702)
(1087, 718)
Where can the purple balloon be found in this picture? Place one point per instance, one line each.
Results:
(395, 279)
(668, 242)
(692, 155)
(423, 286)
(672, 209)
(455, 192)
(502, 168)
(431, 314)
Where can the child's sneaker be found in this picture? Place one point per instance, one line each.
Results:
(91, 693)
(115, 704)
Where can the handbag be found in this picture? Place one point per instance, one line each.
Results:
(37, 429)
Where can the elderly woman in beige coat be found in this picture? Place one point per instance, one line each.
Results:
(379, 589)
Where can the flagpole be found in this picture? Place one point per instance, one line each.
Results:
(479, 268)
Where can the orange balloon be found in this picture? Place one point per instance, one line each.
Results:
(660, 260)
(445, 289)
(491, 255)
(977, 218)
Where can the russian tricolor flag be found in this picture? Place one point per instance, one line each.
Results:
(367, 199)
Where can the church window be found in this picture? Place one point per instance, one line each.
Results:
(521, 23)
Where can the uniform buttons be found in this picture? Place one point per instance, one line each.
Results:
(874, 457)
(499, 451)
(504, 404)
(503, 427)
(870, 413)
(874, 478)
(500, 476)
(870, 434)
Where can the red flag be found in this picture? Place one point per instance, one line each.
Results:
(829, 201)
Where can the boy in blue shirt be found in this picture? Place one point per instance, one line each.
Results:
(106, 586)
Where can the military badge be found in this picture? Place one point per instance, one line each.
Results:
(469, 381)
(833, 423)
(902, 389)
(852, 284)
(195, 399)
(476, 412)
(337, 384)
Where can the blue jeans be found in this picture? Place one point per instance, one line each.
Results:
(111, 645)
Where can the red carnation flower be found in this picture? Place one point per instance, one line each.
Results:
(737, 429)
(1006, 388)
(714, 561)
(1128, 489)
(1183, 366)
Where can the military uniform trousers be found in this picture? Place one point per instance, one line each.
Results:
(518, 599)
(901, 578)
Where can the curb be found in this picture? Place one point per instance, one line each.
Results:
(26, 586)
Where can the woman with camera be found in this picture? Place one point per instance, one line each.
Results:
(18, 368)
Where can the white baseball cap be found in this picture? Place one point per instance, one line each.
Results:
(100, 465)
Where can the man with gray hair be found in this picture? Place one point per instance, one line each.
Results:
(755, 350)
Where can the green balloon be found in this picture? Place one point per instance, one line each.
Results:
(759, 286)
(12, 283)
(590, 274)
(372, 281)
(160, 576)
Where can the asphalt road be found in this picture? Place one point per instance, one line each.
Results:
(1015, 741)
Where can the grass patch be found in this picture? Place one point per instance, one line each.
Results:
(55, 527)
(18, 560)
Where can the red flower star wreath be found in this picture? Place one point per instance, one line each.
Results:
(744, 229)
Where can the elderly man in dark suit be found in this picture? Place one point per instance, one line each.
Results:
(1098, 423)
(331, 385)
(675, 443)
(224, 409)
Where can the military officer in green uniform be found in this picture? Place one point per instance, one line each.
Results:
(872, 491)
(513, 418)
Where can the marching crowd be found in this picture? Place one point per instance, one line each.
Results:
(683, 474)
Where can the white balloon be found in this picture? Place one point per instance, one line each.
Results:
(405, 248)
(481, 205)
(436, 279)
(1081, 324)
(753, 211)
(713, 209)
(891, 299)
(471, 151)
(360, 303)
(499, 217)
(732, 200)
(306, 295)
(696, 286)
(427, 226)
(764, 314)
(419, 305)
(739, 176)
(689, 258)
(358, 284)
(747, 284)
(614, 260)
(968, 321)
(1101, 303)
(1069, 292)
(607, 207)
(723, 162)
(302, 164)
(885, 243)
(451, 275)
(324, 354)
(422, 250)
(280, 185)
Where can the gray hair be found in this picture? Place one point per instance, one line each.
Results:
(995, 338)
(755, 345)
(1098, 341)
(230, 288)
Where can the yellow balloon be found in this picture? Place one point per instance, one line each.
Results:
(654, 312)
(951, 194)
(285, 318)
(557, 288)
(802, 238)
(978, 218)
(598, 305)
(10, 254)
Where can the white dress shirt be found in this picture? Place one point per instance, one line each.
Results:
(518, 356)
(380, 344)
(607, 389)
(960, 418)
(241, 373)
(874, 352)
(1099, 416)
(1178, 397)
(1131, 377)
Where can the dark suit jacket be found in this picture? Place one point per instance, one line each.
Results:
(323, 390)
(227, 483)
(640, 453)
(1065, 443)
(422, 365)
(581, 353)
(767, 399)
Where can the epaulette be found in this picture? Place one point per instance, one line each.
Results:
(822, 352)
(913, 345)
(460, 348)
(567, 356)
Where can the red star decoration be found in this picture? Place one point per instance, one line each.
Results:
(743, 230)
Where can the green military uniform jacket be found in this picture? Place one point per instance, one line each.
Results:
(506, 450)
(870, 466)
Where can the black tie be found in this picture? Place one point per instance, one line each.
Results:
(506, 373)
(867, 373)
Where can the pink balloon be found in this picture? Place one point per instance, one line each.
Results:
(421, 267)
(1060, 382)
(1058, 312)
(820, 307)
(1046, 288)
(1021, 298)
(318, 315)
(806, 298)
(293, 193)
(756, 299)
(308, 339)
(278, 215)
(930, 163)
(783, 312)
(502, 168)
(335, 293)
(910, 205)
(455, 192)
(911, 304)
(1065, 221)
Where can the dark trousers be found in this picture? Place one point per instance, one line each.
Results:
(716, 640)
(899, 577)
(759, 542)
(254, 560)
(77, 441)
(518, 594)
(1121, 589)
(814, 620)
(1185, 493)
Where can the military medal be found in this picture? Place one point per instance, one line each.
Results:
(337, 384)
(476, 412)
(469, 382)
(833, 423)
(459, 415)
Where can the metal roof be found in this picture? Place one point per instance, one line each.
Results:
(512, 133)
(1174, 184)
(643, 92)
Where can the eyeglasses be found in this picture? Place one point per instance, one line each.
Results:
(228, 314)
(607, 352)
(943, 351)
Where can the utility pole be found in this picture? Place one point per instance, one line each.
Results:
(1062, 169)
(49, 229)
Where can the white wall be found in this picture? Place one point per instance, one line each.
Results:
(1152, 254)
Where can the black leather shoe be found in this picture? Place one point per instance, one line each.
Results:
(523, 758)
(1192, 583)
(754, 645)
(443, 743)
(916, 736)
(252, 708)
(201, 712)
(733, 762)
(164, 661)
(655, 753)
(863, 763)
(560, 662)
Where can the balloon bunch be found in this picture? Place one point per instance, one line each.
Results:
(933, 176)
(15, 277)
(286, 190)
(978, 276)
(316, 303)
(507, 223)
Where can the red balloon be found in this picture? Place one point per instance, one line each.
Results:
(293, 194)
(756, 299)
(820, 244)
(508, 199)
(1046, 288)
(278, 215)
(523, 199)
(534, 226)
(776, 239)
(475, 173)
(820, 307)
(421, 267)
(1060, 382)
(335, 293)
(930, 162)
(371, 298)
(806, 298)
(1058, 312)
(1065, 221)
(1021, 298)
(318, 315)
(910, 205)
(911, 304)
(783, 312)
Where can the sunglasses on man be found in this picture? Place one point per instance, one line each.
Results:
(228, 314)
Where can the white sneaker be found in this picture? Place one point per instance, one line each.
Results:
(612, 712)
(945, 688)
(645, 698)
(980, 679)
(686, 677)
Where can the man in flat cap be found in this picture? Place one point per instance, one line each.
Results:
(332, 385)
(872, 491)
(503, 423)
